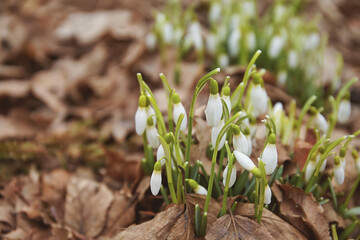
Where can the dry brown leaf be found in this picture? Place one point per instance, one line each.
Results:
(278, 228)
(301, 152)
(86, 207)
(7, 220)
(302, 211)
(14, 88)
(15, 128)
(9, 71)
(237, 227)
(214, 207)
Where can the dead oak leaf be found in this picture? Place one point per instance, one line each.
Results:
(302, 211)
(86, 206)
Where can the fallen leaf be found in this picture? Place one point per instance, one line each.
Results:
(301, 152)
(302, 211)
(86, 207)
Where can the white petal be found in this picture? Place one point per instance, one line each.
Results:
(275, 47)
(258, 98)
(244, 160)
(211, 43)
(251, 41)
(232, 176)
(344, 111)
(150, 112)
(228, 102)
(309, 170)
(339, 174)
(240, 143)
(168, 33)
(323, 165)
(152, 136)
(215, 133)
(140, 120)
(213, 111)
(249, 152)
(200, 190)
(343, 162)
(321, 123)
(179, 109)
(155, 182)
(195, 31)
(234, 42)
(270, 158)
(160, 154)
(267, 199)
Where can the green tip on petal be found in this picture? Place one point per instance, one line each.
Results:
(236, 130)
(337, 160)
(214, 88)
(226, 91)
(175, 98)
(142, 101)
(192, 183)
(272, 139)
(157, 166)
(342, 152)
(150, 121)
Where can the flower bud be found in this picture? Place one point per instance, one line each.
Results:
(267, 199)
(258, 98)
(232, 176)
(141, 116)
(213, 111)
(240, 142)
(155, 180)
(269, 155)
(150, 41)
(339, 173)
(251, 41)
(310, 170)
(167, 32)
(179, 109)
(223, 60)
(160, 154)
(152, 134)
(321, 123)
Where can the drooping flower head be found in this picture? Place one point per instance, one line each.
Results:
(196, 187)
(318, 157)
(344, 110)
(356, 158)
(258, 97)
(342, 154)
(278, 114)
(269, 155)
(213, 111)
(240, 142)
(155, 180)
(177, 110)
(267, 199)
(320, 121)
(226, 97)
(141, 116)
(249, 140)
(339, 173)
(152, 133)
(310, 168)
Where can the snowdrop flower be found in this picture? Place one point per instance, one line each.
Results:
(258, 97)
(211, 43)
(167, 32)
(269, 155)
(195, 31)
(248, 138)
(244, 161)
(141, 116)
(177, 110)
(251, 41)
(155, 180)
(278, 113)
(223, 60)
(318, 157)
(267, 199)
(275, 47)
(292, 59)
(355, 155)
(226, 98)
(281, 78)
(150, 41)
(339, 173)
(160, 154)
(240, 142)
(213, 111)
(321, 123)
(344, 110)
(196, 187)
(232, 176)
(310, 169)
(215, 12)
(234, 42)
(215, 133)
(150, 112)
(152, 133)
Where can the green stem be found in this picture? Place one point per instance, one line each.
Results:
(333, 232)
(306, 107)
(352, 191)
(226, 189)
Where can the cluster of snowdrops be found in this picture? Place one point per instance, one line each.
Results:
(233, 118)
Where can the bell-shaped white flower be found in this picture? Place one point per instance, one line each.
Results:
(234, 42)
(251, 41)
(150, 41)
(244, 161)
(196, 187)
(310, 170)
(321, 123)
(178, 109)
(344, 111)
(259, 98)
(275, 47)
(292, 59)
(339, 174)
(215, 133)
(141, 116)
(267, 196)
(152, 134)
(269, 155)
(240, 142)
(160, 154)
(155, 180)
(213, 111)
(232, 176)
(167, 32)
